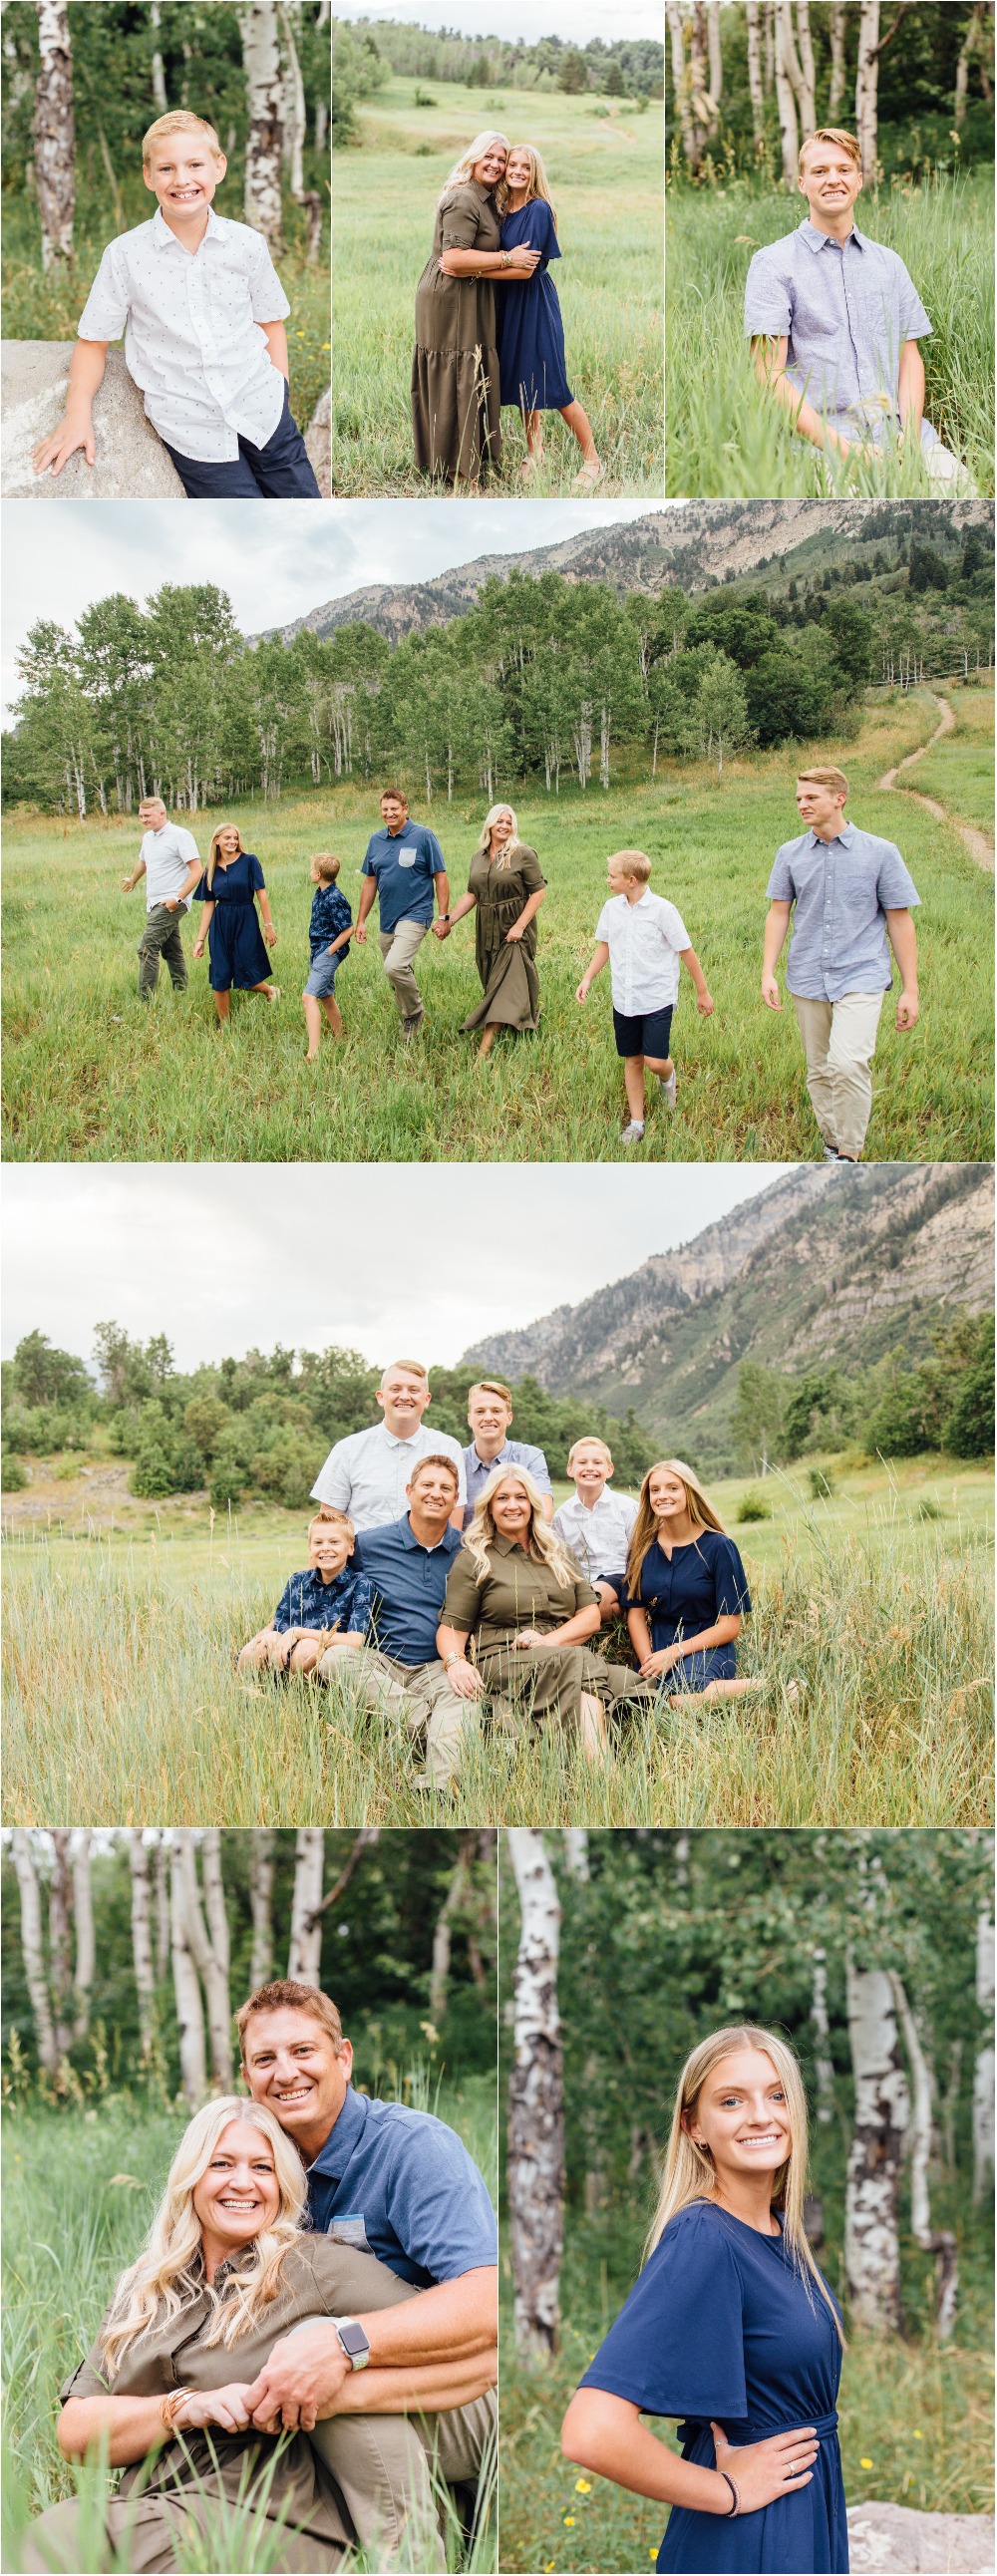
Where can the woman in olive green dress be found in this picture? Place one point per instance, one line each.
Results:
(505, 890)
(226, 2272)
(456, 410)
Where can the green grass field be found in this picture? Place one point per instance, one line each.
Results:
(959, 771)
(71, 2230)
(122, 1697)
(93, 1075)
(724, 435)
(605, 175)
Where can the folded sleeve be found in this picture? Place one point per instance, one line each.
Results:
(462, 1606)
(105, 312)
(540, 1471)
(677, 2347)
(282, 1617)
(781, 887)
(438, 2204)
(895, 886)
(674, 928)
(368, 864)
(767, 304)
(914, 322)
(256, 877)
(334, 1483)
(602, 927)
(461, 216)
(360, 1614)
(733, 1596)
(202, 891)
(266, 293)
(531, 871)
(89, 2378)
(543, 230)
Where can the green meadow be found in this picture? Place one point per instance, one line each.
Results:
(605, 175)
(93, 1075)
(872, 1625)
(725, 436)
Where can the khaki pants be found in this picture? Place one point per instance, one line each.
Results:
(161, 938)
(398, 948)
(381, 2464)
(839, 1041)
(418, 1693)
(948, 470)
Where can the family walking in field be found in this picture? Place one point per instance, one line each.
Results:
(227, 2368)
(488, 327)
(845, 895)
(442, 1588)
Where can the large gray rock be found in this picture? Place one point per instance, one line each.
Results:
(132, 463)
(892, 2540)
(318, 443)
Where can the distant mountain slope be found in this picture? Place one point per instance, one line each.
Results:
(826, 1265)
(692, 543)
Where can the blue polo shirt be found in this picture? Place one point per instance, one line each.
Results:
(404, 864)
(410, 1583)
(401, 2185)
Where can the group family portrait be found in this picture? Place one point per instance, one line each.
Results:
(528, 350)
(219, 288)
(281, 2334)
(831, 254)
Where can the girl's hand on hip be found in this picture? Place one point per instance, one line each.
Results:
(764, 2471)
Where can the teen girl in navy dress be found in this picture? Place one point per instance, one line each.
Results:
(532, 372)
(686, 1589)
(228, 889)
(732, 2327)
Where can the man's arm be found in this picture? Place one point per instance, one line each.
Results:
(276, 340)
(776, 926)
(903, 940)
(770, 368)
(441, 882)
(192, 878)
(368, 891)
(452, 2321)
(910, 389)
(129, 883)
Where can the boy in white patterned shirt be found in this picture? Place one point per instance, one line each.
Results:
(203, 311)
(644, 941)
(597, 1525)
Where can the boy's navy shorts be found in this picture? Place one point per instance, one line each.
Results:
(279, 471)
(643, 1032)
(322, 973)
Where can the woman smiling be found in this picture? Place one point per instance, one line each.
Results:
(686, 1589)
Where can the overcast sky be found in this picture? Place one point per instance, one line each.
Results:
(576, 21)
(56, 561)
(417, 1259)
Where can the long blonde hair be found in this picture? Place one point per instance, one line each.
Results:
(542, 1541)
(537, 183)
(645, 1528)
(688, 2172)
(474, 151)
(213, 852)
(150, 2290)
(509, 847)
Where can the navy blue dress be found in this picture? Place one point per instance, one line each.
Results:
(721, 2325)
(529, 326)
(703, 1581)
(236, 953)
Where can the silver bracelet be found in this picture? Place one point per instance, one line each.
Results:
(736, 2506)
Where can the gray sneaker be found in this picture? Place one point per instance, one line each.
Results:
(633, 1131)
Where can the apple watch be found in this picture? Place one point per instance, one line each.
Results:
(354, 2342)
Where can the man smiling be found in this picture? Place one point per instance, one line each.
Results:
(402, 2185)
(368, 1473)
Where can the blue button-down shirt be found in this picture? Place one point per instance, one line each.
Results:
(330, 914)
(842, 891)
(513, 1453)
(404, 864)
(402, 2185)
(410, 1583)
(307, 1602)
(846, 309)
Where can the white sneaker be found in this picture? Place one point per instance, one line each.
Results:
(633, 1132)
(669, 1087)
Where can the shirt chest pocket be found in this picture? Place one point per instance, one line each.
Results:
(407, 858)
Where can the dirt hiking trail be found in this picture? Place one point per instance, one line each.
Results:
(974, 841)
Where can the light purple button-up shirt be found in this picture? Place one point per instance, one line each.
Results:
(842, 891)
(845, 309)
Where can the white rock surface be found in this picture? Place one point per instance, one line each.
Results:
(132, 463)
(893, 2540)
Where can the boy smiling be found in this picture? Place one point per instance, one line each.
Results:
(203, 312)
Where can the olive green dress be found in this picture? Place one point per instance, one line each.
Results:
(455, 368)
(507, 967)
(183, 2483)
(521, 1591)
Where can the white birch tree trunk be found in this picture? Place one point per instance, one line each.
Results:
(807, 93)
(789, 137)
(85, 1958)
(872, 2251)
(983, 2071)
(54, 132)
(142, 1961)
(186, 1983)
(294, 100)
(823, 2068)
(261, 1901)
(715, 53)
(680, 84)
(158, 74)
(209, 1944)
(305, 1955)
(768, 38)
(536, 2103)
(936, 2241)
(575, 1845)
(756, 86)
(867, 90)
(837, 30)
(32, 1947)
(259, 28)
(161, 1869)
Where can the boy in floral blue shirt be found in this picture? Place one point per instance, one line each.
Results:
(330, 931)
(314, 1604)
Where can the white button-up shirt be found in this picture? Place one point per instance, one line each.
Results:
(366, 1474)
(192, 332)
(168, 855)
(644, 939)
(600, 1537)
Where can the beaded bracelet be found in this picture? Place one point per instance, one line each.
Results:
(736, 2506)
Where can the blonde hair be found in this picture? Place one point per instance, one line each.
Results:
(645, 1528)
(831, 134)
(152, 2289)
(589, 1440)
(213, 852)
(473, 151)
(833, 778)
(287, 1994)
(537, 182)
(412, 1368)
(328, 866)
(509, 847)
(179, 121)
(631, 863)
(491, 1386)
(542, 1541)
(688, 2172)
(327, 1514)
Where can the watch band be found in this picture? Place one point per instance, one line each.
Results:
(357, 2360)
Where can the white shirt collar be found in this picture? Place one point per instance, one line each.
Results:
(164, 237)
(394, 1439)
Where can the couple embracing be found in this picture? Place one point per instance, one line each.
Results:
(488, 328)
(307, 2234)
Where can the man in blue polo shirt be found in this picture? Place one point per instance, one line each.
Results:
(407, 1563)
(403, 863)
(401, 2185)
